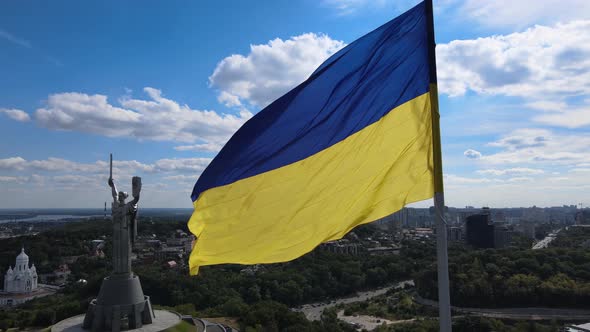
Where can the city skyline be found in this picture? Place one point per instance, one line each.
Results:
(164, 86)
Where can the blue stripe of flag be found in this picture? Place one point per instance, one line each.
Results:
(351, 90)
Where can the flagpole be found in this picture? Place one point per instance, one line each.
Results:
(442, 260)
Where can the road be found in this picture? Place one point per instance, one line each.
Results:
(313, 311)
(369, 323)
(517, 313)
(545, 242)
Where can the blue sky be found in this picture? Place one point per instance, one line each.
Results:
(162, 85)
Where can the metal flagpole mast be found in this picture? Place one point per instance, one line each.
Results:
(442, 260)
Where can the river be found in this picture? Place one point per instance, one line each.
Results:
(47, 217)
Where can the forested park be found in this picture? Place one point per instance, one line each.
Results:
(558, 276)
(515, 277)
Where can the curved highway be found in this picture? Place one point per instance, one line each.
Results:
(313, 311)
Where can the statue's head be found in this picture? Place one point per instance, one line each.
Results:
(122, 196)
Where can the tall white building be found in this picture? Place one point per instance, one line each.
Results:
(23, 278)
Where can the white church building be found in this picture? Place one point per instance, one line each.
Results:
(21, 279)
(20, 283)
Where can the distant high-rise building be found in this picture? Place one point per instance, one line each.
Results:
(583, 217)
(535, 214)
(512, 220)
(502, 236)
(409, 218)
(499, 216)
(393, 221)
(455, 233)
(479, 232)
(403, 216)
(528, 229)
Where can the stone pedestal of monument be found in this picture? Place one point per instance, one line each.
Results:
(164, 320)
(120, 305)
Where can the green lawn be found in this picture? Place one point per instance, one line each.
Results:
(182, 327)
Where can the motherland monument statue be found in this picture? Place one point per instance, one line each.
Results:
(121, 304)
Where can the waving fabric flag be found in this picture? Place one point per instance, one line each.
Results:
(350, 145)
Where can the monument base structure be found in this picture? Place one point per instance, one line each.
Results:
(163, 321)
(120, 305)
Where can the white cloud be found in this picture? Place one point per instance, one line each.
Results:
(16, 115)
(51, 164)
(537, 147)
(36, 178)
(76, 180)
(522, 13)
(472, 154)
(395, 7)
(156, 119)
(511, 171)
(132, 165)
(181, 177)
(572, 118)
(270, 70)
(228, 99)
(16, 179)
(182, 180)
(523, 138)
(562, 114)
(547, 105)
(22, 179)
(347, 7)
(548, 67)
(515, 194)
(13, 163)
(167, 182)
(540, 62)
(205, 147)
(87, 113)
(186, 164)
(520, 179)
(62, 165)
(540, 191)
(452, 179)
(496, 13)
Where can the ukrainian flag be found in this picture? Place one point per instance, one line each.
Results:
(350, 145)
